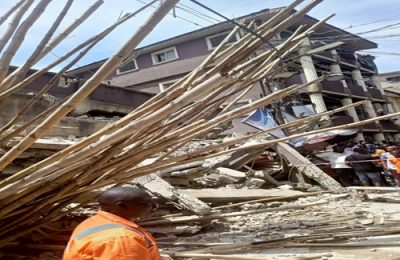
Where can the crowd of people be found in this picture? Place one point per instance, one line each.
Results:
(366, 164)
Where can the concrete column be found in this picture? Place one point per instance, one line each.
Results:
(335, 68)
(369, 108)
(391, 110)
(376, 80)
(357, 76)
(379, 137)
(311, 74)
(352, 112)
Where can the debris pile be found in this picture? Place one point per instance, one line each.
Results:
(165, 146)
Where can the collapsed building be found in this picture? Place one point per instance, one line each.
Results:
(169, 118)
(153, 68)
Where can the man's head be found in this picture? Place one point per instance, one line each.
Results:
(360, 150)
(396, 153)
(392, 148)
(126, 202)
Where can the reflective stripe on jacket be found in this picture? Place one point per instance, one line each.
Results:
(107, 236)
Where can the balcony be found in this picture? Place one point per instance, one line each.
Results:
(325, 54)
(332, 86)
(341, 120)
(375, 93)
(295, 79)
(369, 127)
(388, 125)
(355, 89)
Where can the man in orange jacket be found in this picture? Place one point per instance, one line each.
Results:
(111, 234)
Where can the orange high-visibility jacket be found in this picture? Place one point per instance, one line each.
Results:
(107, 236)
(397, 163)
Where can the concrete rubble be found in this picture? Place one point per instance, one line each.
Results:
(218, 194)
(243, 214)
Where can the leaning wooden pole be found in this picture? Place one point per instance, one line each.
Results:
(15, 7)
(20, 72)
(105, 70)
(19, 37)
(13, 24)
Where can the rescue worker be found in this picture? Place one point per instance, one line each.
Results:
(111, 233)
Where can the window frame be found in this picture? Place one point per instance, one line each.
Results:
(161, 84)
(153, 54)
(209, 44)
(241, 102)
(127, 71)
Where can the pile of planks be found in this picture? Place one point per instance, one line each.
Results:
(44, 192)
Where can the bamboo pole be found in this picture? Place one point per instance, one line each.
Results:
(25, 126)
(66, 56)
(12, 10)
(158, 142)
(155, 127)
(154, 166)
(13, 25)
(19, 37)
(53, 82)
(90, 85)
(85, 15)
(20, 72)
(166, 94)
(136, 172)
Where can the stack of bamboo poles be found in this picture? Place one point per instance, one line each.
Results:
(190, 108)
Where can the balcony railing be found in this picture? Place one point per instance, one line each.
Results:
(295, 79)
(375, 93)
(326, 54)
(332, 86)
(341, 120)
(389, 125)
(355, 89)
(370, 126)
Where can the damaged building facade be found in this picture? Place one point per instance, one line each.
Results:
(153, 68)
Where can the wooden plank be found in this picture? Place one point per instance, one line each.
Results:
(306, 167)
(162, 188)
(231, 195)
(45, 144)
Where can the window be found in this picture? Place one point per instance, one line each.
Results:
(285, 34)
(238, 103)
(164, 55)
(214, 40)
(129, 65)
(167, 84)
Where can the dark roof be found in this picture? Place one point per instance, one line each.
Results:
(93, 65)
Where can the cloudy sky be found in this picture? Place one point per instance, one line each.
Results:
(356, 16)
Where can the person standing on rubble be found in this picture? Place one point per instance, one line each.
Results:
(363, 165)
(389, 167)
(396, 161)
(111, 233)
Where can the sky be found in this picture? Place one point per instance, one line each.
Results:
(356, 16)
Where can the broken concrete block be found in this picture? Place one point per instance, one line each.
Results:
(254, 183)
(237, 175)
